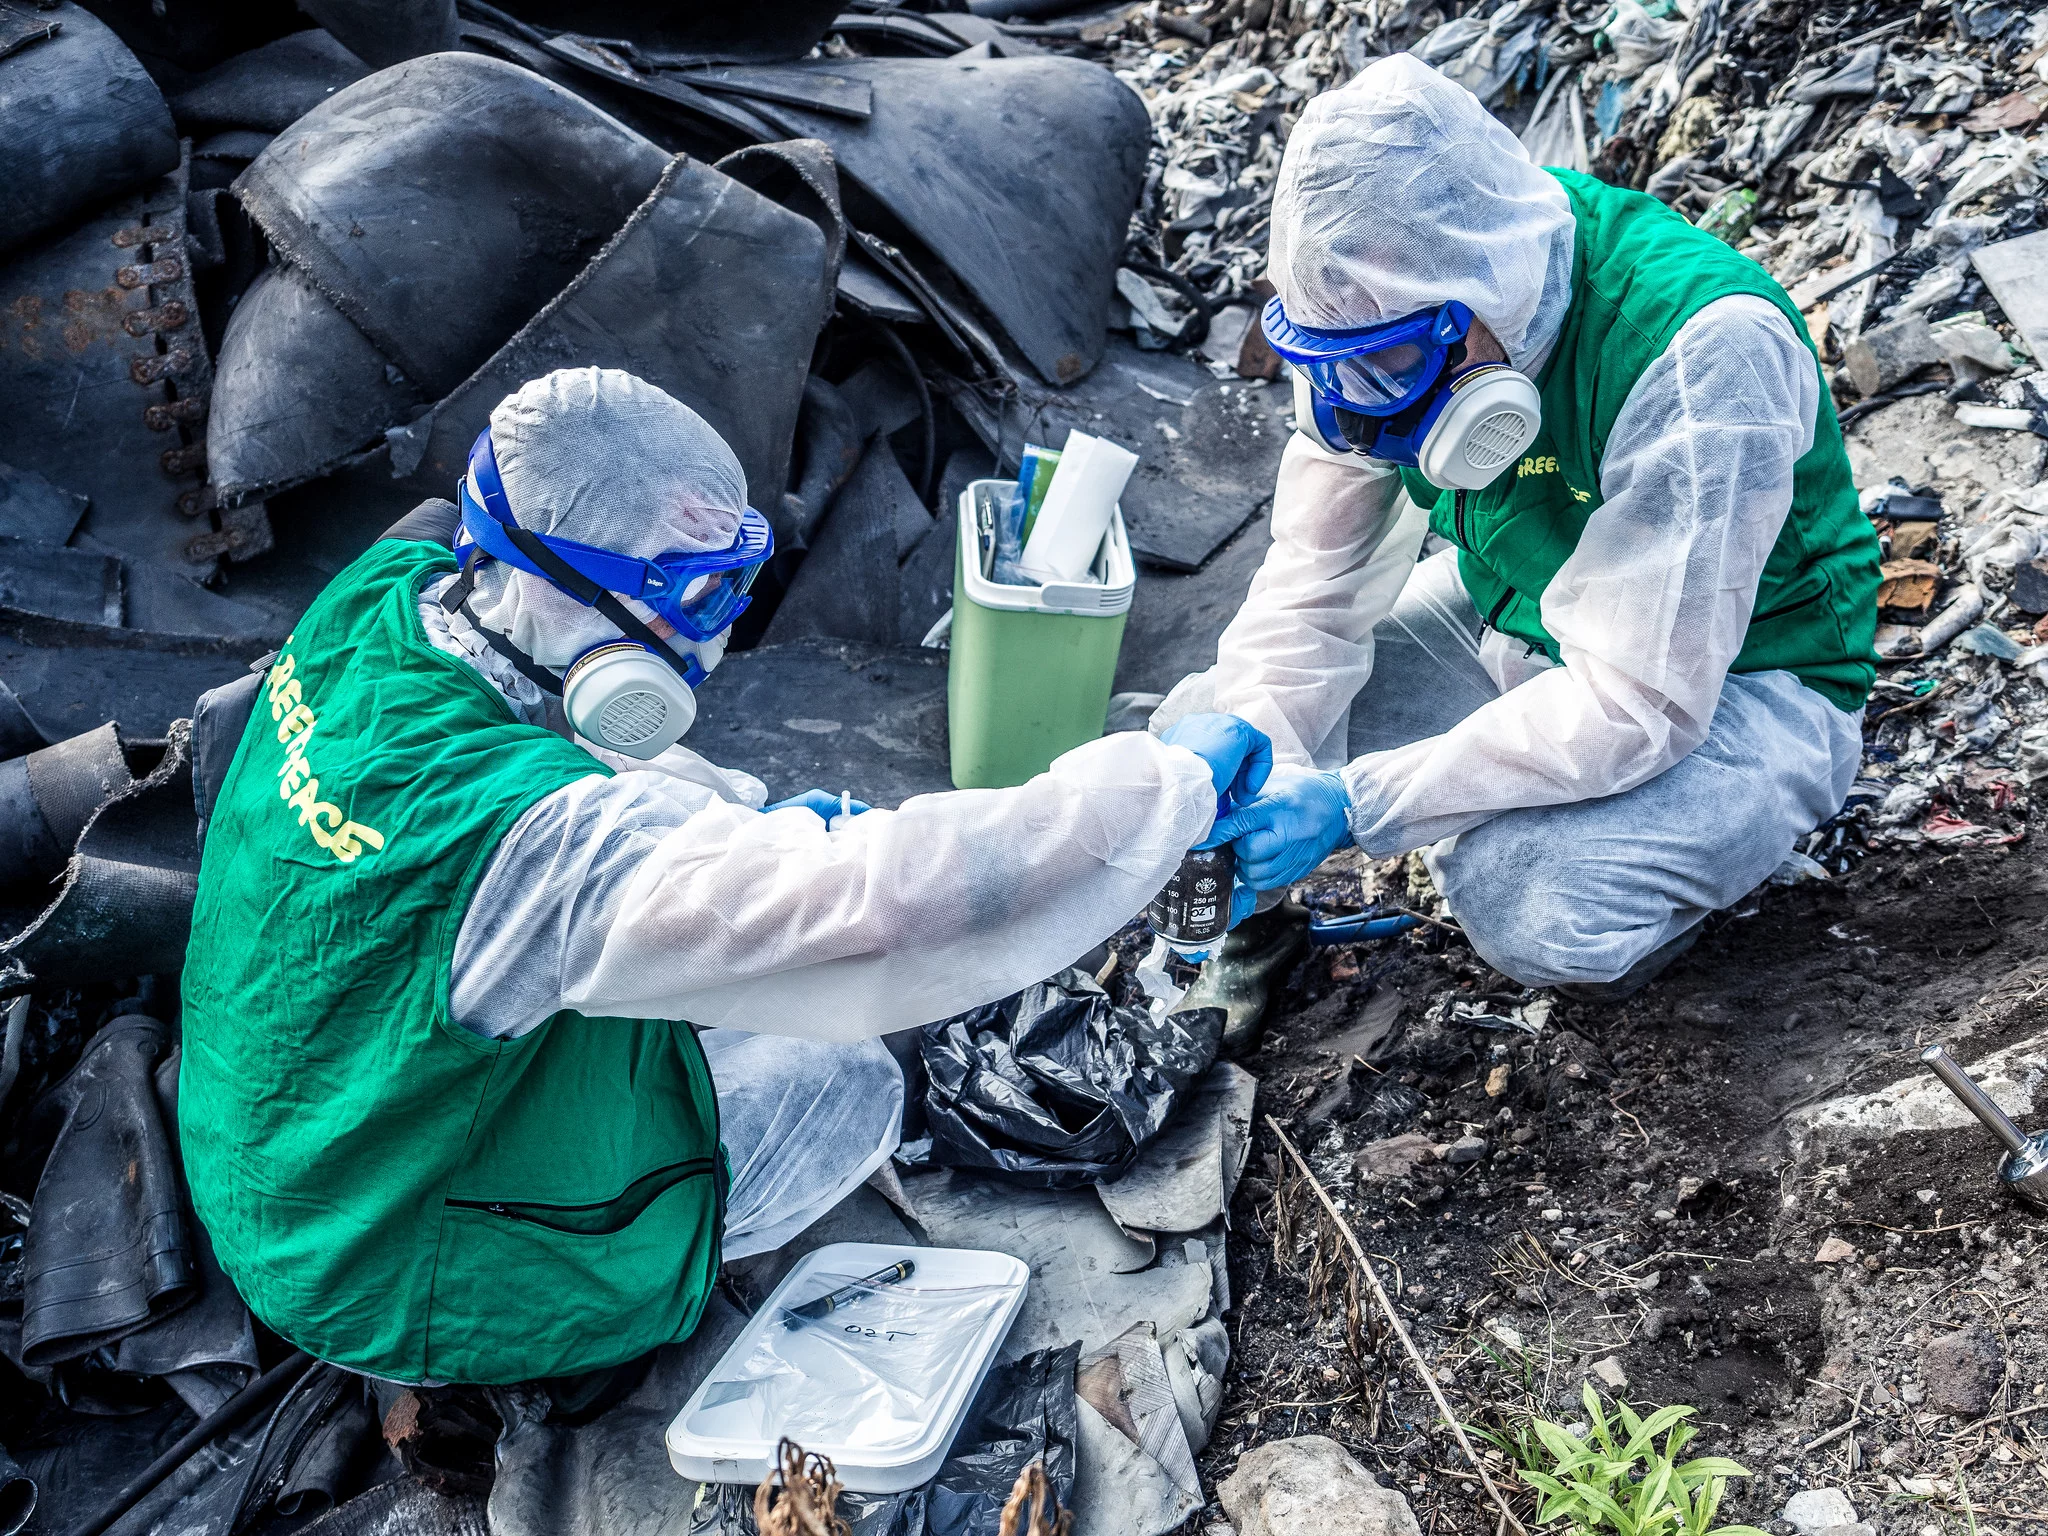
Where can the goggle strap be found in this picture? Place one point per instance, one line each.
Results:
(526, 666)
(578, 585)
(455, 599)
(483, 461)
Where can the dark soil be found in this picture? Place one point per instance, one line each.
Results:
(1643, 1204)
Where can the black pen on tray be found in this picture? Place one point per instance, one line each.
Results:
(831, 1301)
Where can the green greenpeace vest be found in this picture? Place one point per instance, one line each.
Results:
(1639, 272)
(390, 1191)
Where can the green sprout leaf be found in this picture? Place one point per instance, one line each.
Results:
(1595, 1487)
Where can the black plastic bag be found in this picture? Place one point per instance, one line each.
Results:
(1057, 1087)
(1023, 1413)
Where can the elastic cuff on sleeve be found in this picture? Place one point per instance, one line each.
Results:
(1369, 805)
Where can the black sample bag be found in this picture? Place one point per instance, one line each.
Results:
(1057, 1087)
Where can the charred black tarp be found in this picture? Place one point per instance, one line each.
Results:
(438, 204)
(1019, 174)
(19, 732)
(108, 1252)
(23, 23)
(435, 207)
(104, 385)
(300, 389)
(688, 31)
(711, 291)
(695, 283)
(850, 584)
(831, 440)
(123, 905)
(81, 119)
(383, 32)
(32, 508)
(298, 1460)
(46, 799)
(268, 88)
(17, 1496)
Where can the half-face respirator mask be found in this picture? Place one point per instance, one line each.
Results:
(1401, 391)
(634, 695)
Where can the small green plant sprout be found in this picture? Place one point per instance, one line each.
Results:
(1593, 1487)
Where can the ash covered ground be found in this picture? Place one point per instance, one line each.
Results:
(1648, 1195)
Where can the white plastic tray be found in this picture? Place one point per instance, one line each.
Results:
(711, 1446)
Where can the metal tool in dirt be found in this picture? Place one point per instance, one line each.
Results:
(2023, 1171)
(1359, 927)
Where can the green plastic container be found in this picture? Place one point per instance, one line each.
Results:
(1031, 668)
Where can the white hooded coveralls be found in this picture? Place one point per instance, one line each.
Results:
(664, 891)
(1545, 793)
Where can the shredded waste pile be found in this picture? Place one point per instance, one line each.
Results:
(1882, 161)
(264, 272)
(1563, 1195)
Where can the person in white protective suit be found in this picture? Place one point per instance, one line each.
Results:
(438, 1119)
(793, 939)
(1634, 673)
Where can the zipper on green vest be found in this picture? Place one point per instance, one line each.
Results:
(599, 1218)
(1458, 520)
(1499, 608)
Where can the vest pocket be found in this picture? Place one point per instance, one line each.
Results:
(1493, 619)
(524, 1289)
(598, 1218)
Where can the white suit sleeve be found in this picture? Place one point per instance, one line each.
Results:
(1653, 604)
(647, 896)
(1301, 646)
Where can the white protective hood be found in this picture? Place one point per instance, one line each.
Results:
(1400, 192)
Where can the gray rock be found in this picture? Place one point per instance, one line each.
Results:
(1890, 354)
(1466, 1149)
(1961, 1372)
(1393, 1159)
(1310, 1486)
(1813, 1510)
(1919, 441)
(2030, 586)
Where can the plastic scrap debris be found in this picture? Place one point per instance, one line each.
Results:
(1884, 162)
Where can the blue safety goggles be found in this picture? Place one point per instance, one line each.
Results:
(700, 593)
(1373, 370)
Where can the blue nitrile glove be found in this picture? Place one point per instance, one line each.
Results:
(1299, 820)
(1244, 898)
(825, 804)
(1238, 754)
